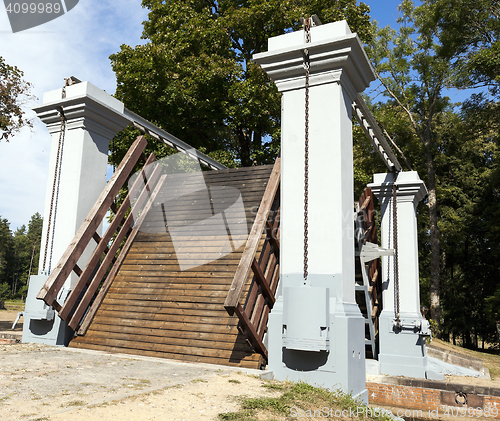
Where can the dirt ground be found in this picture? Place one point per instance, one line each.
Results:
(39, 382)
(43, 383)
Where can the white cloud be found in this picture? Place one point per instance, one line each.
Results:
(76, 44)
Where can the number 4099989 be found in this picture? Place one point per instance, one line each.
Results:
(18, 8)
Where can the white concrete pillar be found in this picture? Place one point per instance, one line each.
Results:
(93, 119)
(304, 343)
(402, 349)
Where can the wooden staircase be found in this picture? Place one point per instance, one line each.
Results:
(136, 296)
(154, 308)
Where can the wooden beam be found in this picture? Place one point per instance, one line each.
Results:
(251, 246)
(96, 281)
(250, 331)
(102, 247)
(58, 277)
(116, 267)
(261, 280)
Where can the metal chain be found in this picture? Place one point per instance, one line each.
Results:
(63, 135)
(307, 66)
(55, 190)
(395, 245)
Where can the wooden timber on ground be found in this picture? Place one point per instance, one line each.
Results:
(154, 308)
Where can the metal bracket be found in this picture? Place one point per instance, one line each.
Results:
(371, 251)
(420, 326)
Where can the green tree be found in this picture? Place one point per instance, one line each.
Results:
(195, 76)
(14, 92)
(414, 76)
(6, 249)
(470, 37)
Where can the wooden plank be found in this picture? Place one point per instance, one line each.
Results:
(260, 278)
(183, 318)
(168, 293)
(172, 334)
(172, 349)
(244, 267)
(177, 343)
(58, 277)
(102, 247)
(252, 361)
(250, 331)
(158, 309)
(126, 247)
(185, 299)
(124, 231)
(177, 326)
(163, 304)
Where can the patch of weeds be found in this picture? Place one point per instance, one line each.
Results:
(42, 419)
(274, 386)
(238, 416)
(199, 381)
(74, 403)
(234, 381)
(144, 381)
(296, 398)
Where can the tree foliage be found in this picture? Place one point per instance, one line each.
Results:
(14, 91)
(19, 255)
(195, 76)
(470, 37)
(414, 75)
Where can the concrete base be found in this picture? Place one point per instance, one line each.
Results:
(402, 353)
(41, 323)
(341, 367)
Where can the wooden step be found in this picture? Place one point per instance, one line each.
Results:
(155, 309)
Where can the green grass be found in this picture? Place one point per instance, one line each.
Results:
(490, 360)
(297, 400)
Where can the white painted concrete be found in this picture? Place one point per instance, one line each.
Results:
(402, 351)
(93, 119)
(339, 71)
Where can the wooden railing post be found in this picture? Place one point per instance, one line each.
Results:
(261, 296)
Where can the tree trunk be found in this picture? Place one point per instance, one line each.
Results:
(434, 238)
(245, 147)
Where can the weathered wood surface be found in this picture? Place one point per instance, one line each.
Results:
(153, 308)
(70, 257)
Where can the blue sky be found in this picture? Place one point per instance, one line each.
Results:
(76, 44)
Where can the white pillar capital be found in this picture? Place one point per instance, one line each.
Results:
(410, 188)
(85, 107)
(335, 54)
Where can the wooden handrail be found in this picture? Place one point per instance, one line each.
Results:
(245, 265)
(260, 299)
(69, 259)
(116, 267)
(125, 229)
(101, 248)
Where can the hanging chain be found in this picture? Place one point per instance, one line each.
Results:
(55, 191)
(395, 245)
(307, 66)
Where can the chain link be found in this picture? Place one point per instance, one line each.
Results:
(307, 65)
(395, 245)
(55, 192)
